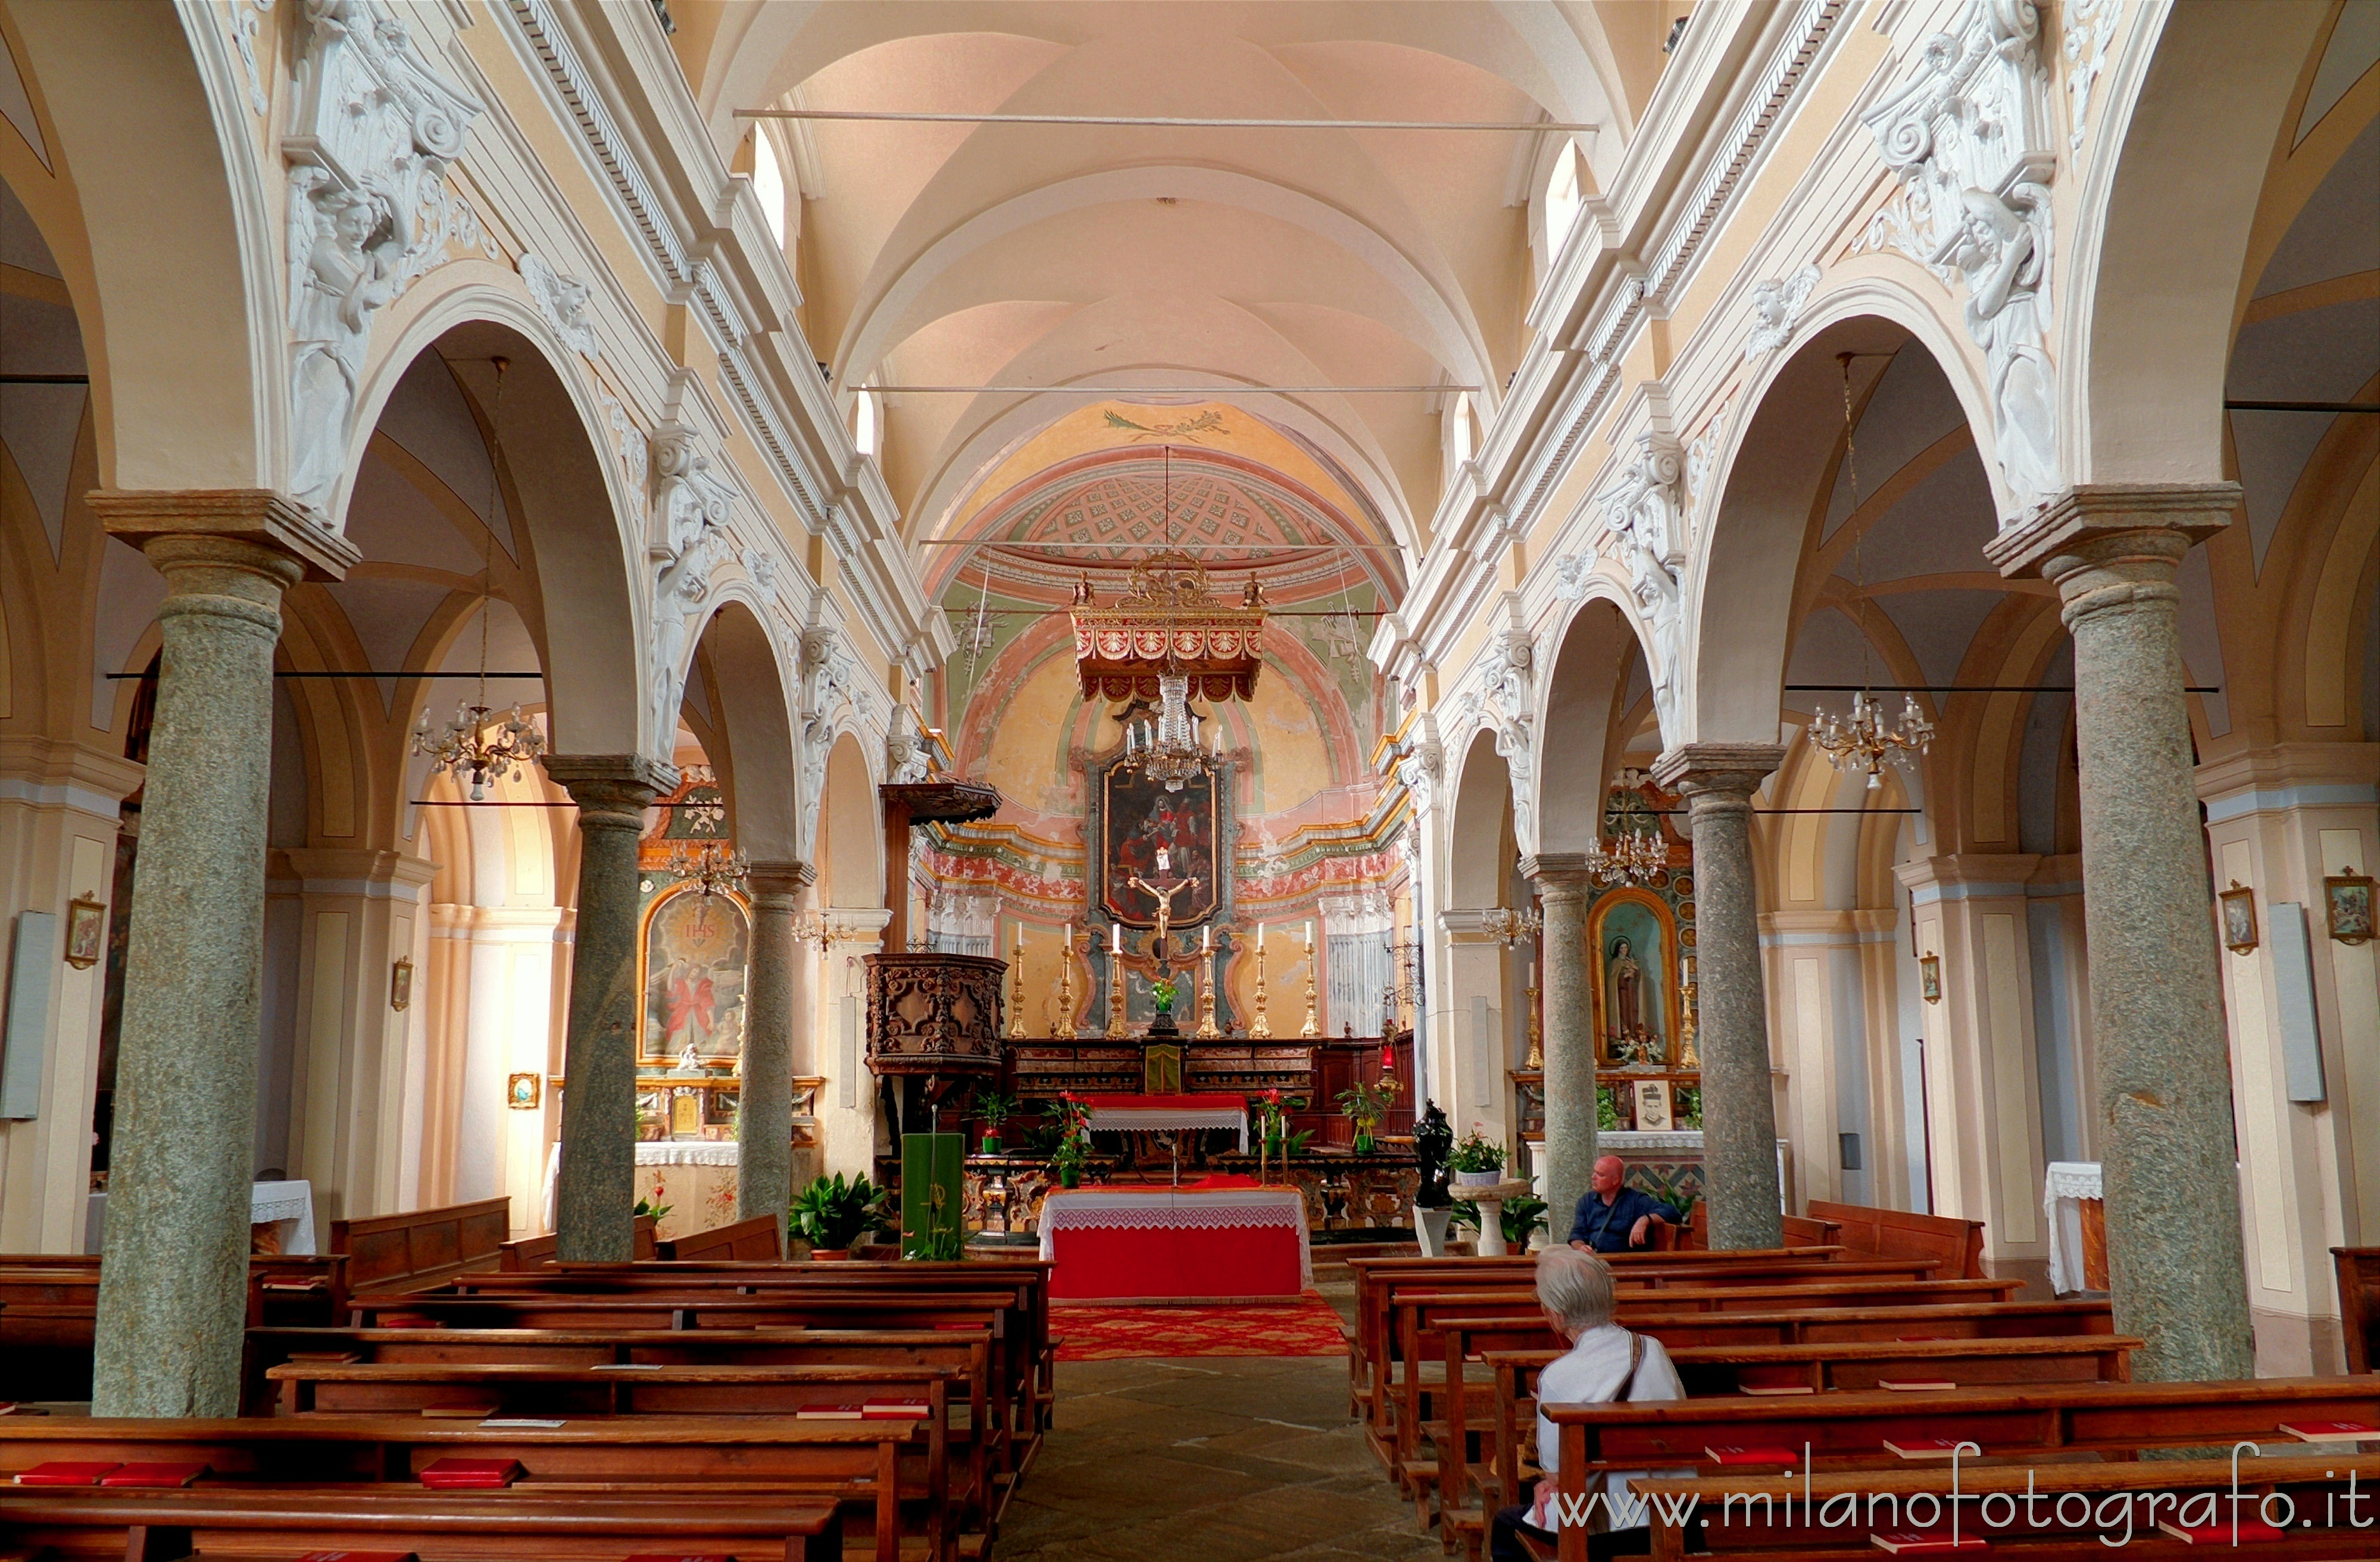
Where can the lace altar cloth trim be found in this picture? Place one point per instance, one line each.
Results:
(1086, 1209)
(1157, 1119)
(2064, 1186)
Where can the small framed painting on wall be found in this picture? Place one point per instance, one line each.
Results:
(1929, 977)
(2239, 918)
(86, 931)
(521, 1092)
(2347, 904)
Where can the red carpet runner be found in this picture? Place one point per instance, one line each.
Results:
(1307, 1326)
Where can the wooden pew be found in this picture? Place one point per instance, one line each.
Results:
(1738, 1527)
(533, 1253)
(745, 1241)
(422, 1247)
(1958, 1245)
(671, 1464)
(156, 1526)
(2358, 1303)
(49, 1312)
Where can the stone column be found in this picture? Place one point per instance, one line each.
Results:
(1561, 884)
(173, 1293)
(1739, 1104)
(764, 1116)
(2174, 1257)
(595, 1194)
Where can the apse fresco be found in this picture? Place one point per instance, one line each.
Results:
(1142, 817)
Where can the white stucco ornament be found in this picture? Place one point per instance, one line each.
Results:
(688, 541)
(1968, 136)
(1775, 305)
(563, 301)
(1570, 575)
(373, 130)
(1644, 510)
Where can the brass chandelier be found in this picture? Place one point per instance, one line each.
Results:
(1866, 737)
(474, 742)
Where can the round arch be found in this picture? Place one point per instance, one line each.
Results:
(747, 679)
(1579, 727)
(850, 831)
(1480, 839)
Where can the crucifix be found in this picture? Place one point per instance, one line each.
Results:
(1161, 948)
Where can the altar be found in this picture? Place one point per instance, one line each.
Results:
(694, 1178)
(1221, 1239)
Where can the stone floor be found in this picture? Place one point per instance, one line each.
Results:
(1215, 1459)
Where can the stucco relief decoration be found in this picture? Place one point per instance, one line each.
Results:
(563, 301)
(1643, 510)
(628, 441)
(372, 135)
(689, 540)
(2090, 25)
(247, 19)
(1570, 574)
(1509, 709)
(1775, 305)
(1969, 137)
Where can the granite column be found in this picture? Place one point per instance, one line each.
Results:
(595, 1193)
(2175, 1261)
(173, 1291)
(1569, 1037)
(1738, 1103)
(764, 1115)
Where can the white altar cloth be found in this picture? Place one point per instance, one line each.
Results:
(2064, 1187)
(1162, 1114)
(290, 1205)
(649, 1152)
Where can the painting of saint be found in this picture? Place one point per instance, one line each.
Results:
(1635, 964)
(1142, 817)
(695, 951)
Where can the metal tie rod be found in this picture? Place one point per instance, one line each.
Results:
(1156, 390)
(1257, 548)
(1157, 121)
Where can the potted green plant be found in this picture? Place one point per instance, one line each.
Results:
(1163, 992)
(1073, 1141)
(831, 1215)
(1476, 1162)
(1366, 1105)
(994, 1110)
(1521, 1217)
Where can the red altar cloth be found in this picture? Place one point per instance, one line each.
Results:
(1160, 1244)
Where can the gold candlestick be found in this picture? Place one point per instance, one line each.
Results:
(1207, 1030)
(1313, 1026)
(1260, 1028)
(1115, 991)
(1017, 1007)
(1066, 1025)
(1537, 1035)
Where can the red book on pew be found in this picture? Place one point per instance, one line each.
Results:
(359, 1556)
(1741, 1453)
(1921, 1542)
(1914, 1384)
(854, 1411)
(66, 1472)
(2329, 1431)
(470, 1474)
(895, 1410)
(2252, 1531)
(175, 1474)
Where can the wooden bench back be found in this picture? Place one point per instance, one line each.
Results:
(2358, 1303)
(1895, 1233)
(422, 1247)
(744, 1242)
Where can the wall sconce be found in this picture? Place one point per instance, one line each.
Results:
(1929, 977)
(2239, 918)
(400, 984)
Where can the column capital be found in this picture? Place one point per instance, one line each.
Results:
(1721, 769)
(258, 517)
(788, 878)
(2097, 523)
(1559, 875)
(610, 784)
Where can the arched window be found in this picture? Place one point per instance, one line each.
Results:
(867, 428)
(1458, 434)
(1561, 200)
(769, 183)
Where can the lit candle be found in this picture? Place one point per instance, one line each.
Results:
(1206, 938)
(1260, 933)
(1309, 937)
(1116, 947)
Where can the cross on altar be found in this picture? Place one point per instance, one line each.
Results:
(1161, 948)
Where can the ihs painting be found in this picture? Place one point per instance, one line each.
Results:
(694, 951)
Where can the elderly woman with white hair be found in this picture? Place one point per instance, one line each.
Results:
(1605, 1364)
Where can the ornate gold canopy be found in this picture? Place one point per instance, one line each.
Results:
(1168, 623)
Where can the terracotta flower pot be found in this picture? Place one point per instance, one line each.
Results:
(830, 1255)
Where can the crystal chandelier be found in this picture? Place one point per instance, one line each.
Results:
(708, 868)
(1512, 927)
(1168, 750)
(472, 743)
(1632, 857)
(1865, 739)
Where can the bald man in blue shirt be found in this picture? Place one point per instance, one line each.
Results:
(1612, 1216)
